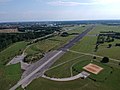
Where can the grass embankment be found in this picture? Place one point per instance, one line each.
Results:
(13, 50)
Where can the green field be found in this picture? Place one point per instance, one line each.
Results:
(9, 76)
(64, 70)
(41, 46)
(87, 44)
(104, 74)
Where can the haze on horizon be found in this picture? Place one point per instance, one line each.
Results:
(51, 10)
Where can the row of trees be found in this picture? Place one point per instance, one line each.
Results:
(8, 38)
(101, 39)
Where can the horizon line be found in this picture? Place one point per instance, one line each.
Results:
(58, 20)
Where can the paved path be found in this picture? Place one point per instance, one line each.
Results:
(17, 59)
(89, 54)
(66, 62)
(35, 71)
(64, 79)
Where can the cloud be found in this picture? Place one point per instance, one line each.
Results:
(107, 1)
(91, 2)
(67, 3)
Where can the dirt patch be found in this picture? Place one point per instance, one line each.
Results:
(95, 69)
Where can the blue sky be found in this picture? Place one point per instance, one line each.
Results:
(50, 10)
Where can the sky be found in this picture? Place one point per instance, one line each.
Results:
(58, 10)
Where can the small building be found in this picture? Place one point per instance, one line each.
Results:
(84, 74)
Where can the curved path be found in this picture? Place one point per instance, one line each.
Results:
(89, 54)
(64, 79)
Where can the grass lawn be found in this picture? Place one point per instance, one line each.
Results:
(112, 83)
(77, 29)
(86, 45)
(99, 28)
(99, 77)
(13, 50)
(9, 76)
(41, 46)
(112, 52)
(64, 70)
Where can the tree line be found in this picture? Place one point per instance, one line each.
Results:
(8, 38)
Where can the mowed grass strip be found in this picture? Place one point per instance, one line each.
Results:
(44, 84)
(13, 50)
(78, 29)
(86, 45)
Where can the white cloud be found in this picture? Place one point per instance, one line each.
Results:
(91, 2)
(66, 3)
(107, 1)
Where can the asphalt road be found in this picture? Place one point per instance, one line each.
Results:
(76, 39)
(40, 66)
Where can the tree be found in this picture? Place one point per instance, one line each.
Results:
(109, 45)
(105, 60)
(94, 57)
(119, 63)
(64, 34)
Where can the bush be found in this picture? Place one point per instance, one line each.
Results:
(94, 57)
(105, 60)
(64, 34)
